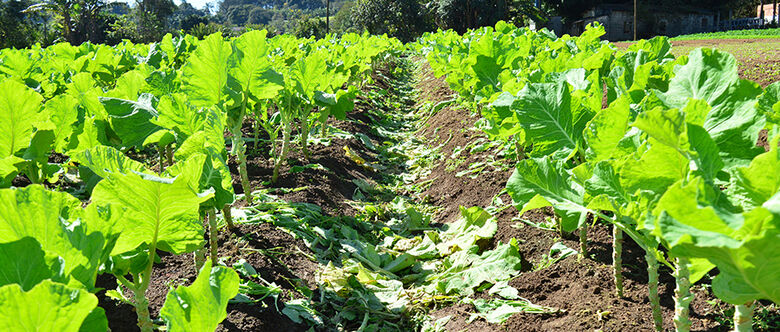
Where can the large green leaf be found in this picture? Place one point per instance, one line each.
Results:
(215, 173)
(205, 75)
(175, 113)
(201, 306)
(605, 183)
(544, 110)
(103, 160)
(475, 225)
(654, 169)
(97, 162)
(160, 210)
(697, 223)
(605, 131)
(537, 183)
(131, 120)
(62, 113)
(9, 168)
(19, 106)
(753, 185)
(82, 87)
(309, 75)
(49, 306)
(250, 65)
(734, 122)
(92, 133)
(23, 262)
(669, 127)
(53, 219)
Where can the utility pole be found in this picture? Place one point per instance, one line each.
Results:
(327, 17)
(635, 19)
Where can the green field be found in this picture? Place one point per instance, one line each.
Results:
(733, 34)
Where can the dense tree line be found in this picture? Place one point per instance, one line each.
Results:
(25, 22)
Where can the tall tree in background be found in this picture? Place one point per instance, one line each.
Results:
(64, 10)
(79, 20)
(403, 19)
(91, 21)
(17, 28)
(461, 15)
(152, 18)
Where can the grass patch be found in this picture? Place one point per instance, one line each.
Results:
(733, 34)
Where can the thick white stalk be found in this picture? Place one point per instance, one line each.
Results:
(617, 259)
(239, 148)
(583, 235)
(652, 285)
(743, 317)
(305, 138)
(228, 215)
(212, 218)
(682, 296)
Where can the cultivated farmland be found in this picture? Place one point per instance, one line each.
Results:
(504, 179)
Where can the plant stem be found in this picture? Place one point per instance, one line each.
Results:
(169, 153)
(212, 218)
(682, 296)
(142, 310)
(583, 235)
(139, 290)
(161, 152)
(520, 151)
(285, 146)
(257, 132)
(239, 148)
(200, 257)
(583, 241)
(228, 216)
(305, 138)
(652, 284)
(743, 317)
(617, 259)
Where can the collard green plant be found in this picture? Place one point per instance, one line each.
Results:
(162, 214)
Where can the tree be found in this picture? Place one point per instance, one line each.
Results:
(152, 16)
(343, 21)
(259, 15)
(16, 27)
(64, 10)
(461, 15)
(308, 26)
(79, 20)
(403, 19)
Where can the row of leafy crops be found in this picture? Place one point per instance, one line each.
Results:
(127, 148)
(663, 148)
(737, 34)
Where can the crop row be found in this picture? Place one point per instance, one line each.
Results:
(662, 148)
(143, 131)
